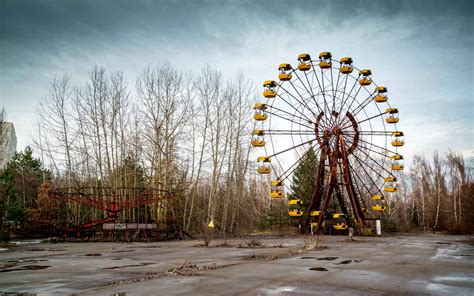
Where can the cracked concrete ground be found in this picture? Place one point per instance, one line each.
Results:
(405, 264)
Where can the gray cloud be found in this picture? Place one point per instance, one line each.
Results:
(421, 49)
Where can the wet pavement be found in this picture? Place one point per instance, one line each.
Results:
(405, 264)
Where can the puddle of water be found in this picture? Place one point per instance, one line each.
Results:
(308, 257)
(279, 290)
(345, 262)
(27, 267)
(455, 278)
(319, 269)
(93, 254)
(438, 288)
(27, 242)
(37, 250)
(36, 267)
(328, 258)
(125, 266)
(453, 252)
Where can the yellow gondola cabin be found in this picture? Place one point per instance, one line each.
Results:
(325, 60)
(346, 65)
(304, 60)
(285, 72)
(365, 77)
(265, 167)
(269, 89)
(381, 96)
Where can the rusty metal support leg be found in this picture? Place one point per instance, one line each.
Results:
(317, 192)
(359, 216)
(331, 185)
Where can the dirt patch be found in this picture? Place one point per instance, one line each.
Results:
(308, 257)
(37, 250)
(328, 258)
(319, 269)
(442, 243)
(93, 254)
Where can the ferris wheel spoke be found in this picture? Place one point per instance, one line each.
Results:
(369, 192)
(288, 119)
(294, 166)
(309, 91)
(369, 166)
(344, 100)
(360, 192)
(373, 151)
(380, 147)
(335, 90)
(326, 104)
(355, 183)
(370, 118)
(344, 119)
(292, 106)
(293, 147)
(288, 132)
(302, 102)
(366, 148)
(368, 175)
(370, 133)
(291, 114)
(323, 91)
(362, 105)
(375, 161)
(331, 118)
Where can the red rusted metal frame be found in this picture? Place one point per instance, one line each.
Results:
(317, 193)
(359, 215)
(112, 206)
(145, 197)
(332, 183)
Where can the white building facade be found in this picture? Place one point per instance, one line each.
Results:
(7, 143)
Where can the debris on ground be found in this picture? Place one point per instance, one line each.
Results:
(251, 243)
(188, 268)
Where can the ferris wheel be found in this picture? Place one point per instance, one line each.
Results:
(337, 112)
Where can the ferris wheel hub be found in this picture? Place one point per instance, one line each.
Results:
(336, 131)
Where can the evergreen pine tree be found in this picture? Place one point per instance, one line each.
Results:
(304, 178)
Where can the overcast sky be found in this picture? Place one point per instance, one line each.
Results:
(421, 50)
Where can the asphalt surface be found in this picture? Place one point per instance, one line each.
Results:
(404, 264)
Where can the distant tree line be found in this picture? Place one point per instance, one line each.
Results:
(190, 135)
(170, 130)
